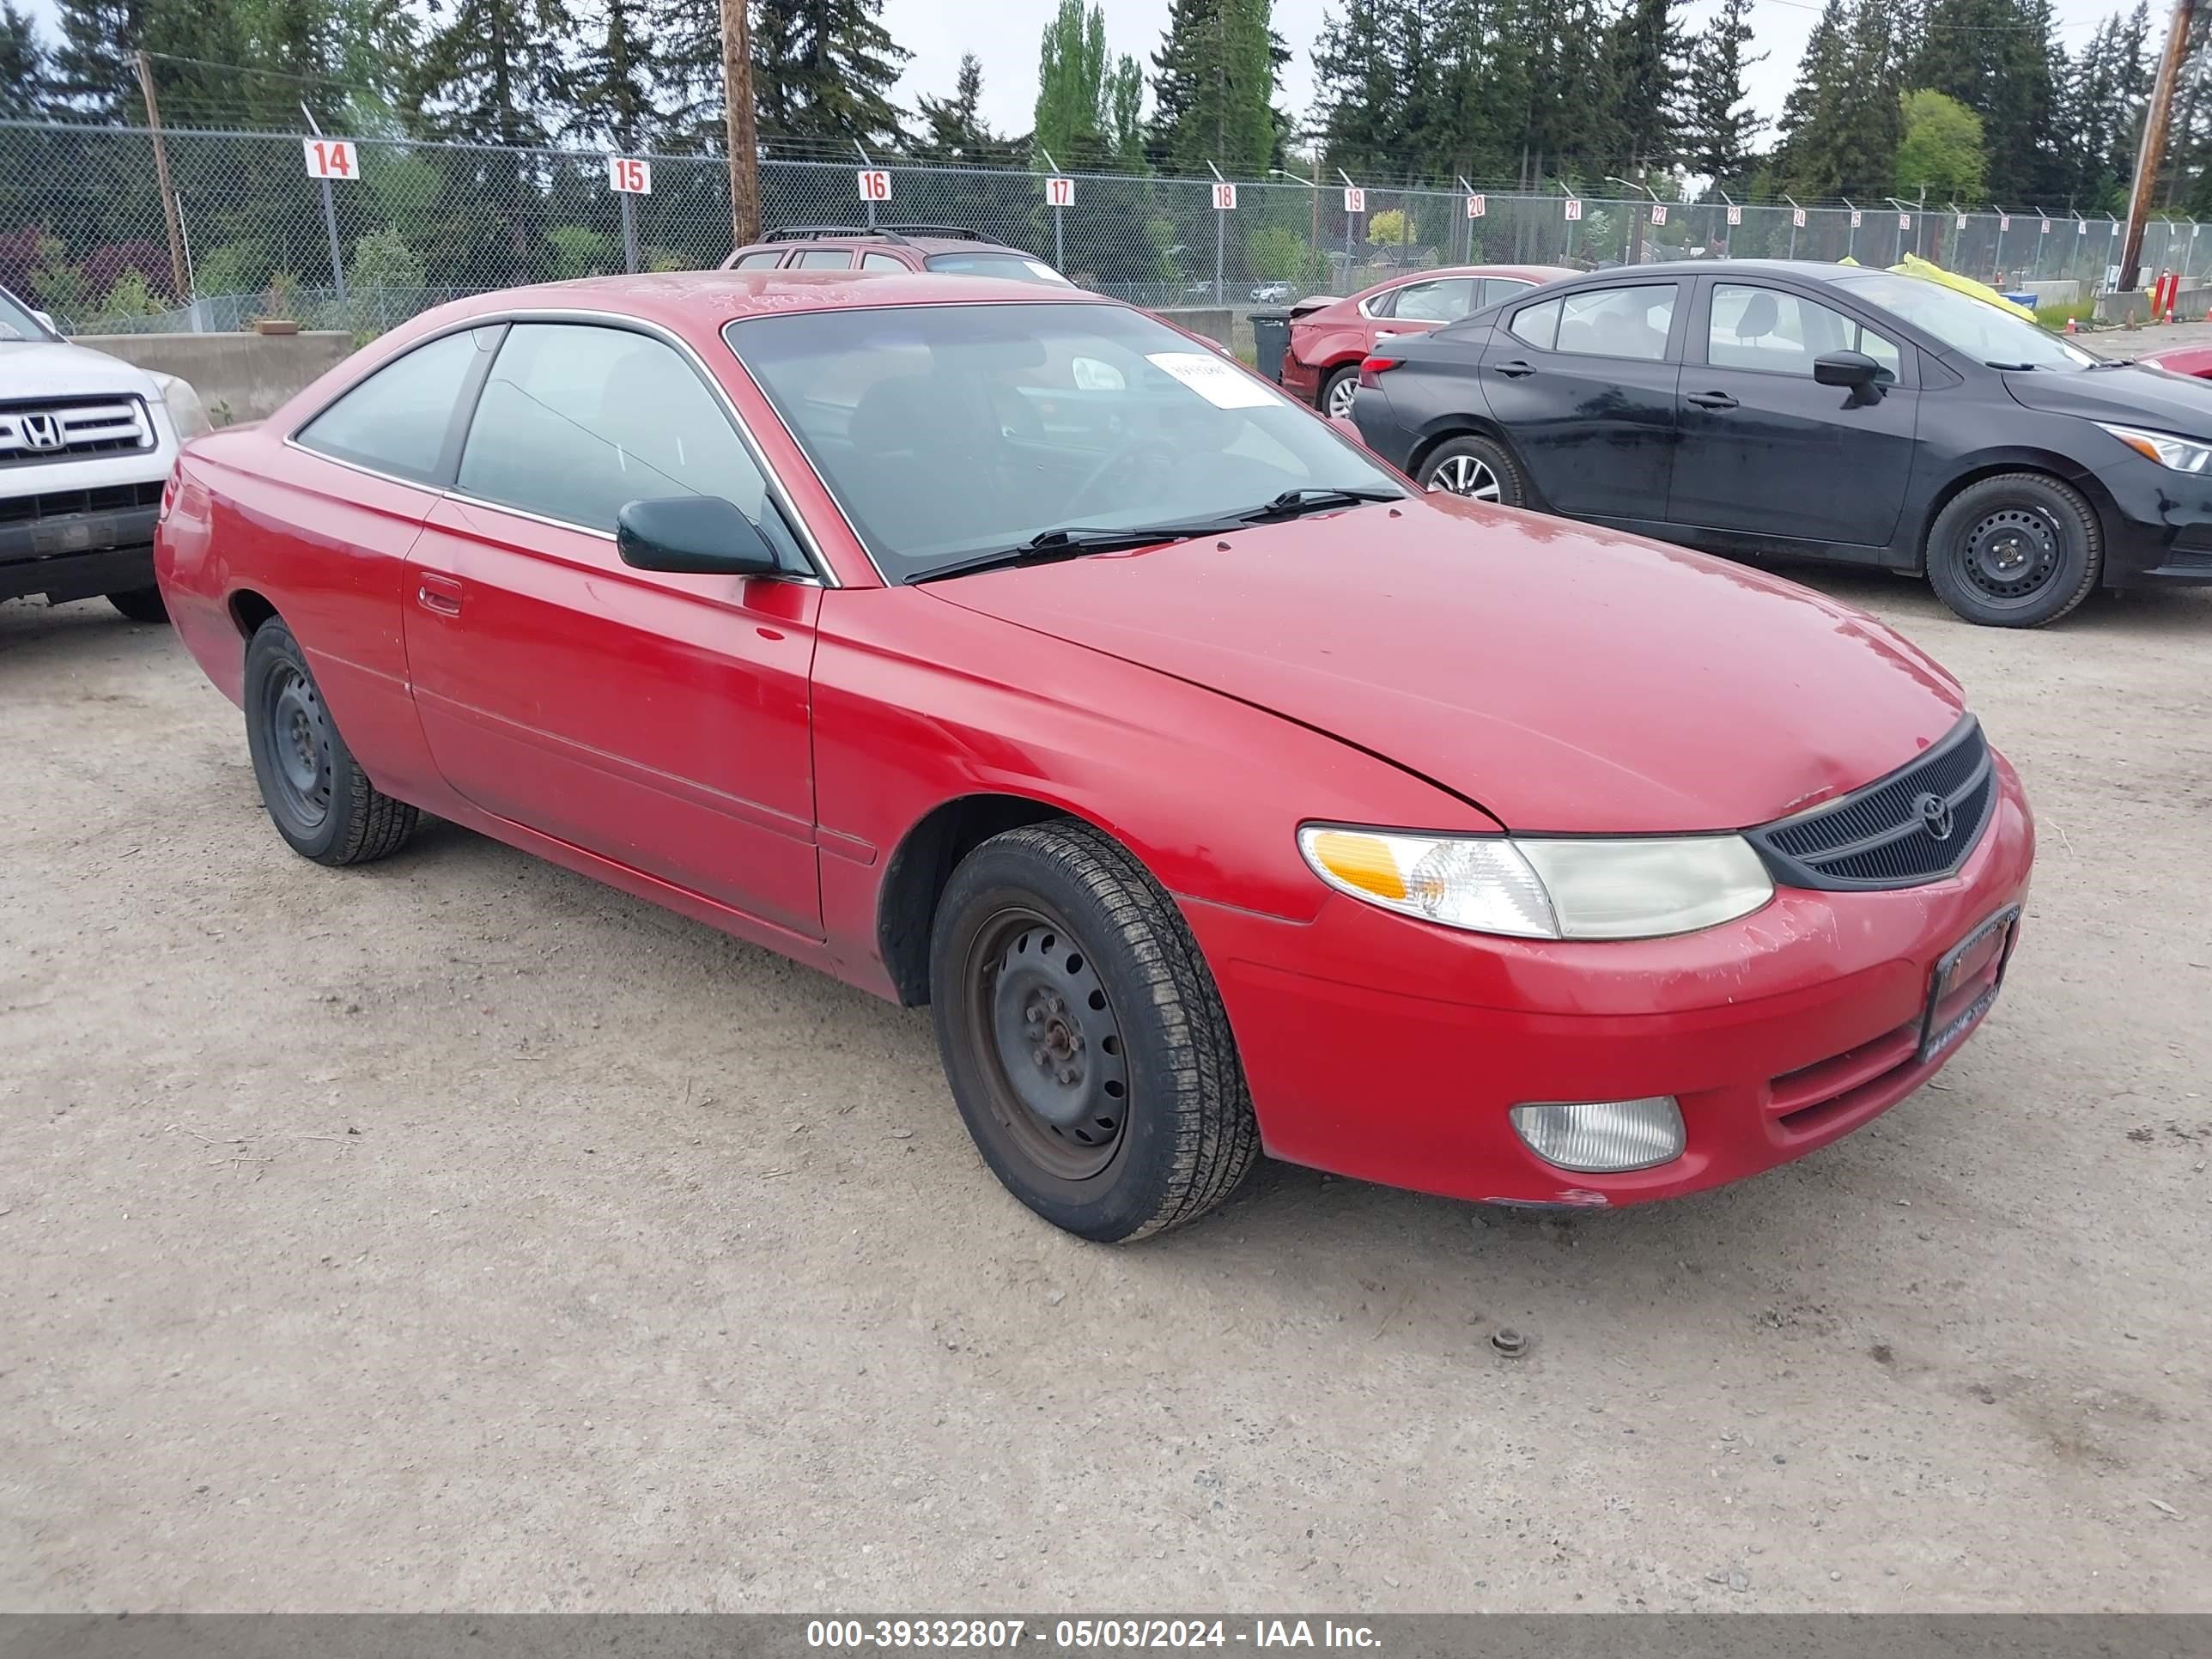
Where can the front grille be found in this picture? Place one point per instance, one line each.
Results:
(2189, 558)
(69, 503)
(1885, 835)
(69, 430)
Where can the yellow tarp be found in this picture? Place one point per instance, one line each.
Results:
(1914, 266)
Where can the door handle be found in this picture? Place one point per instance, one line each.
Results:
(440, 595)
(1516, 369)
(1712, 400)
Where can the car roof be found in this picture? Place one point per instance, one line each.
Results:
(692, 298)
(1812, 269)
(1537, 274)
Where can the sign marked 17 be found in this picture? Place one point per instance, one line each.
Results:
(330, 158)
(1059, 192)
(629, 174)
(874, 184)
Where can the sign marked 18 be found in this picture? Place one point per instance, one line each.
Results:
(1225, 197)
(627, 173)
(1059, 192)
(875, 185)
(330, 158)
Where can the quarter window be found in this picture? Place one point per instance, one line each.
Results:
(397, 420)
(1539, 324)
(1495, 289)
(1765, 328)
(578, 420)
(882, 262)
(1618, 322)
(758, 261)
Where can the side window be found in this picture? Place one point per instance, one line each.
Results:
(758, 261)
(1538, 325)
(396, 421)
(825, 258)
(882, 262)
(1495, 289)
(1444, 299)
(1764, 328)
(578, 420)
(1618, 322)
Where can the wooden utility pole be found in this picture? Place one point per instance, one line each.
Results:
(2151, 158)
(182, 287)
(737, 115)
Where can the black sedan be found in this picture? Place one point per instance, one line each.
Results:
(1754, 407)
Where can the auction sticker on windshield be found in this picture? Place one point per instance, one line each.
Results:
(1219, 384)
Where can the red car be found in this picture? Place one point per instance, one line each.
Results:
(1329, 337)
(995, 647)
(2194, 360)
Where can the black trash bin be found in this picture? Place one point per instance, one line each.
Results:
(1270, 338)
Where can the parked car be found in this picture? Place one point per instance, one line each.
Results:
(2191, 359)
(1329, 336)
(992, 646)
(1271, 294)
(86, 443)
(1761, 407)
(944, 248)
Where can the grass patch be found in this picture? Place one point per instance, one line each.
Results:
(2057, 317)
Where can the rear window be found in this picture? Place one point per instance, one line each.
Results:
(757, 261)
(1019, 266)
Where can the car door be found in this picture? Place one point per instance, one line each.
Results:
(659, 721)
(1768, 450)
(1584, 384)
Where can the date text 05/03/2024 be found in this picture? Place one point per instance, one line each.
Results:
(1086, 1634)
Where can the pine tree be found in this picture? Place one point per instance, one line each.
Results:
(1719, 125)
(1355, 86)
(613, 84)
(953, 128)
(22, 64)
(92, 67)
(823, 70)
(1643, 54)
(1214, 85)
(493, 74)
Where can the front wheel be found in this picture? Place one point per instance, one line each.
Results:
(1082, 1036)
(2017, 551)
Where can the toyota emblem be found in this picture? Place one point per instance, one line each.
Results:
(1936, 816)
(41, 431)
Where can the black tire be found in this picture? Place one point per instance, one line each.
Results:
(1345, 381)
(1061, 912)
(2017, 551)
(1474, 469)
(140, 604)
(320, 800)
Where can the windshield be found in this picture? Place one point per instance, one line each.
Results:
(1019, 266)
(16, 322)
(946, 432)
(1984, 332)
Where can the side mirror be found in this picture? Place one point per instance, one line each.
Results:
(693, 535)
(1852, 368)
(1348, 430)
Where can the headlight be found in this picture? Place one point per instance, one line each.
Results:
(186, 413)
(1644, 888)
(2182, 454)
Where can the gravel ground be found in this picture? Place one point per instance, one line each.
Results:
(456, 1233)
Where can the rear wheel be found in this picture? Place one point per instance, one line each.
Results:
(1336, 392)
(1082, 1036)
(1477, 469)
(140, 604)
(320, 800)
(2017, 551)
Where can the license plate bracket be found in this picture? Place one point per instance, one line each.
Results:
(1943, 1024)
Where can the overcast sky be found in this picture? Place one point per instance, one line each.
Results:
(1005, 34)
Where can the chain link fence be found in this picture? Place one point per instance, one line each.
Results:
(83, 233)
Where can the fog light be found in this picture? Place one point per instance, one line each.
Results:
(1603, 1137)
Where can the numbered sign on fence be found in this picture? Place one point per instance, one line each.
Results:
(1798, 217)
(875, 185)
(1856, 218)
(1905, 222)
(1735, 214)
(629, 174)
(1355, 199)
(1477, 206)
(2045, 231)
(1059, 192)
(330, 158)
(1574, 207)
(2005, 222)
(1658, 213)
(1962, 222)
(2080, 226)
(1225, 197)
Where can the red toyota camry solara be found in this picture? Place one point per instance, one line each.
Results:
(995, 646)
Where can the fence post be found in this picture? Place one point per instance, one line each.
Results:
(629, 233)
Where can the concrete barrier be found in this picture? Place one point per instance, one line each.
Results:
(1215, 322)
(239, 376)
(2053, 291)
(2189, 307)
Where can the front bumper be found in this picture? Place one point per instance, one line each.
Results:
(103, 545)
(2162, 530)
(1392, 1051)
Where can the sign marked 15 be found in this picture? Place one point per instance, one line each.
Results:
(330, 158)
(875, 185)
(627, 172)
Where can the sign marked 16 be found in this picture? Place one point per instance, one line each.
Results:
(1059, 192)
(627, 173)
(330, 158)
(875, 185)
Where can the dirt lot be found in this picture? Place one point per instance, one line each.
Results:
(456, 1233)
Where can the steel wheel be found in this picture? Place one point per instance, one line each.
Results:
(1339, 395)
(1468, 476)
(1053, 1057)
(2012, 555)
(299, 734)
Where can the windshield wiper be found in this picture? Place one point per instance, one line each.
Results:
(1049, 546)
(1294, 503)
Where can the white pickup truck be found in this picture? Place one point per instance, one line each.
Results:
(86, 442)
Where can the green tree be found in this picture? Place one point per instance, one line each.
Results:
(1644, 55)
(92, 68)
(1214, 86)
(493, 73)
(1719, 124)
(1844, 118)
(823, 70)
(1087, 105)
(614, 84)
(953, 128)
(23, 68)
(1940, 150)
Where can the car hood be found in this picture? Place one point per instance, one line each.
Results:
(40, 368)
(1561, 677)
(2133, 394)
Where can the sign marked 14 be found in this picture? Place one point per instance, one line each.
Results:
(330, 158)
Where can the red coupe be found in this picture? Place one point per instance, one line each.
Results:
(2191, 359)
(1329, 337)
(994, 647)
